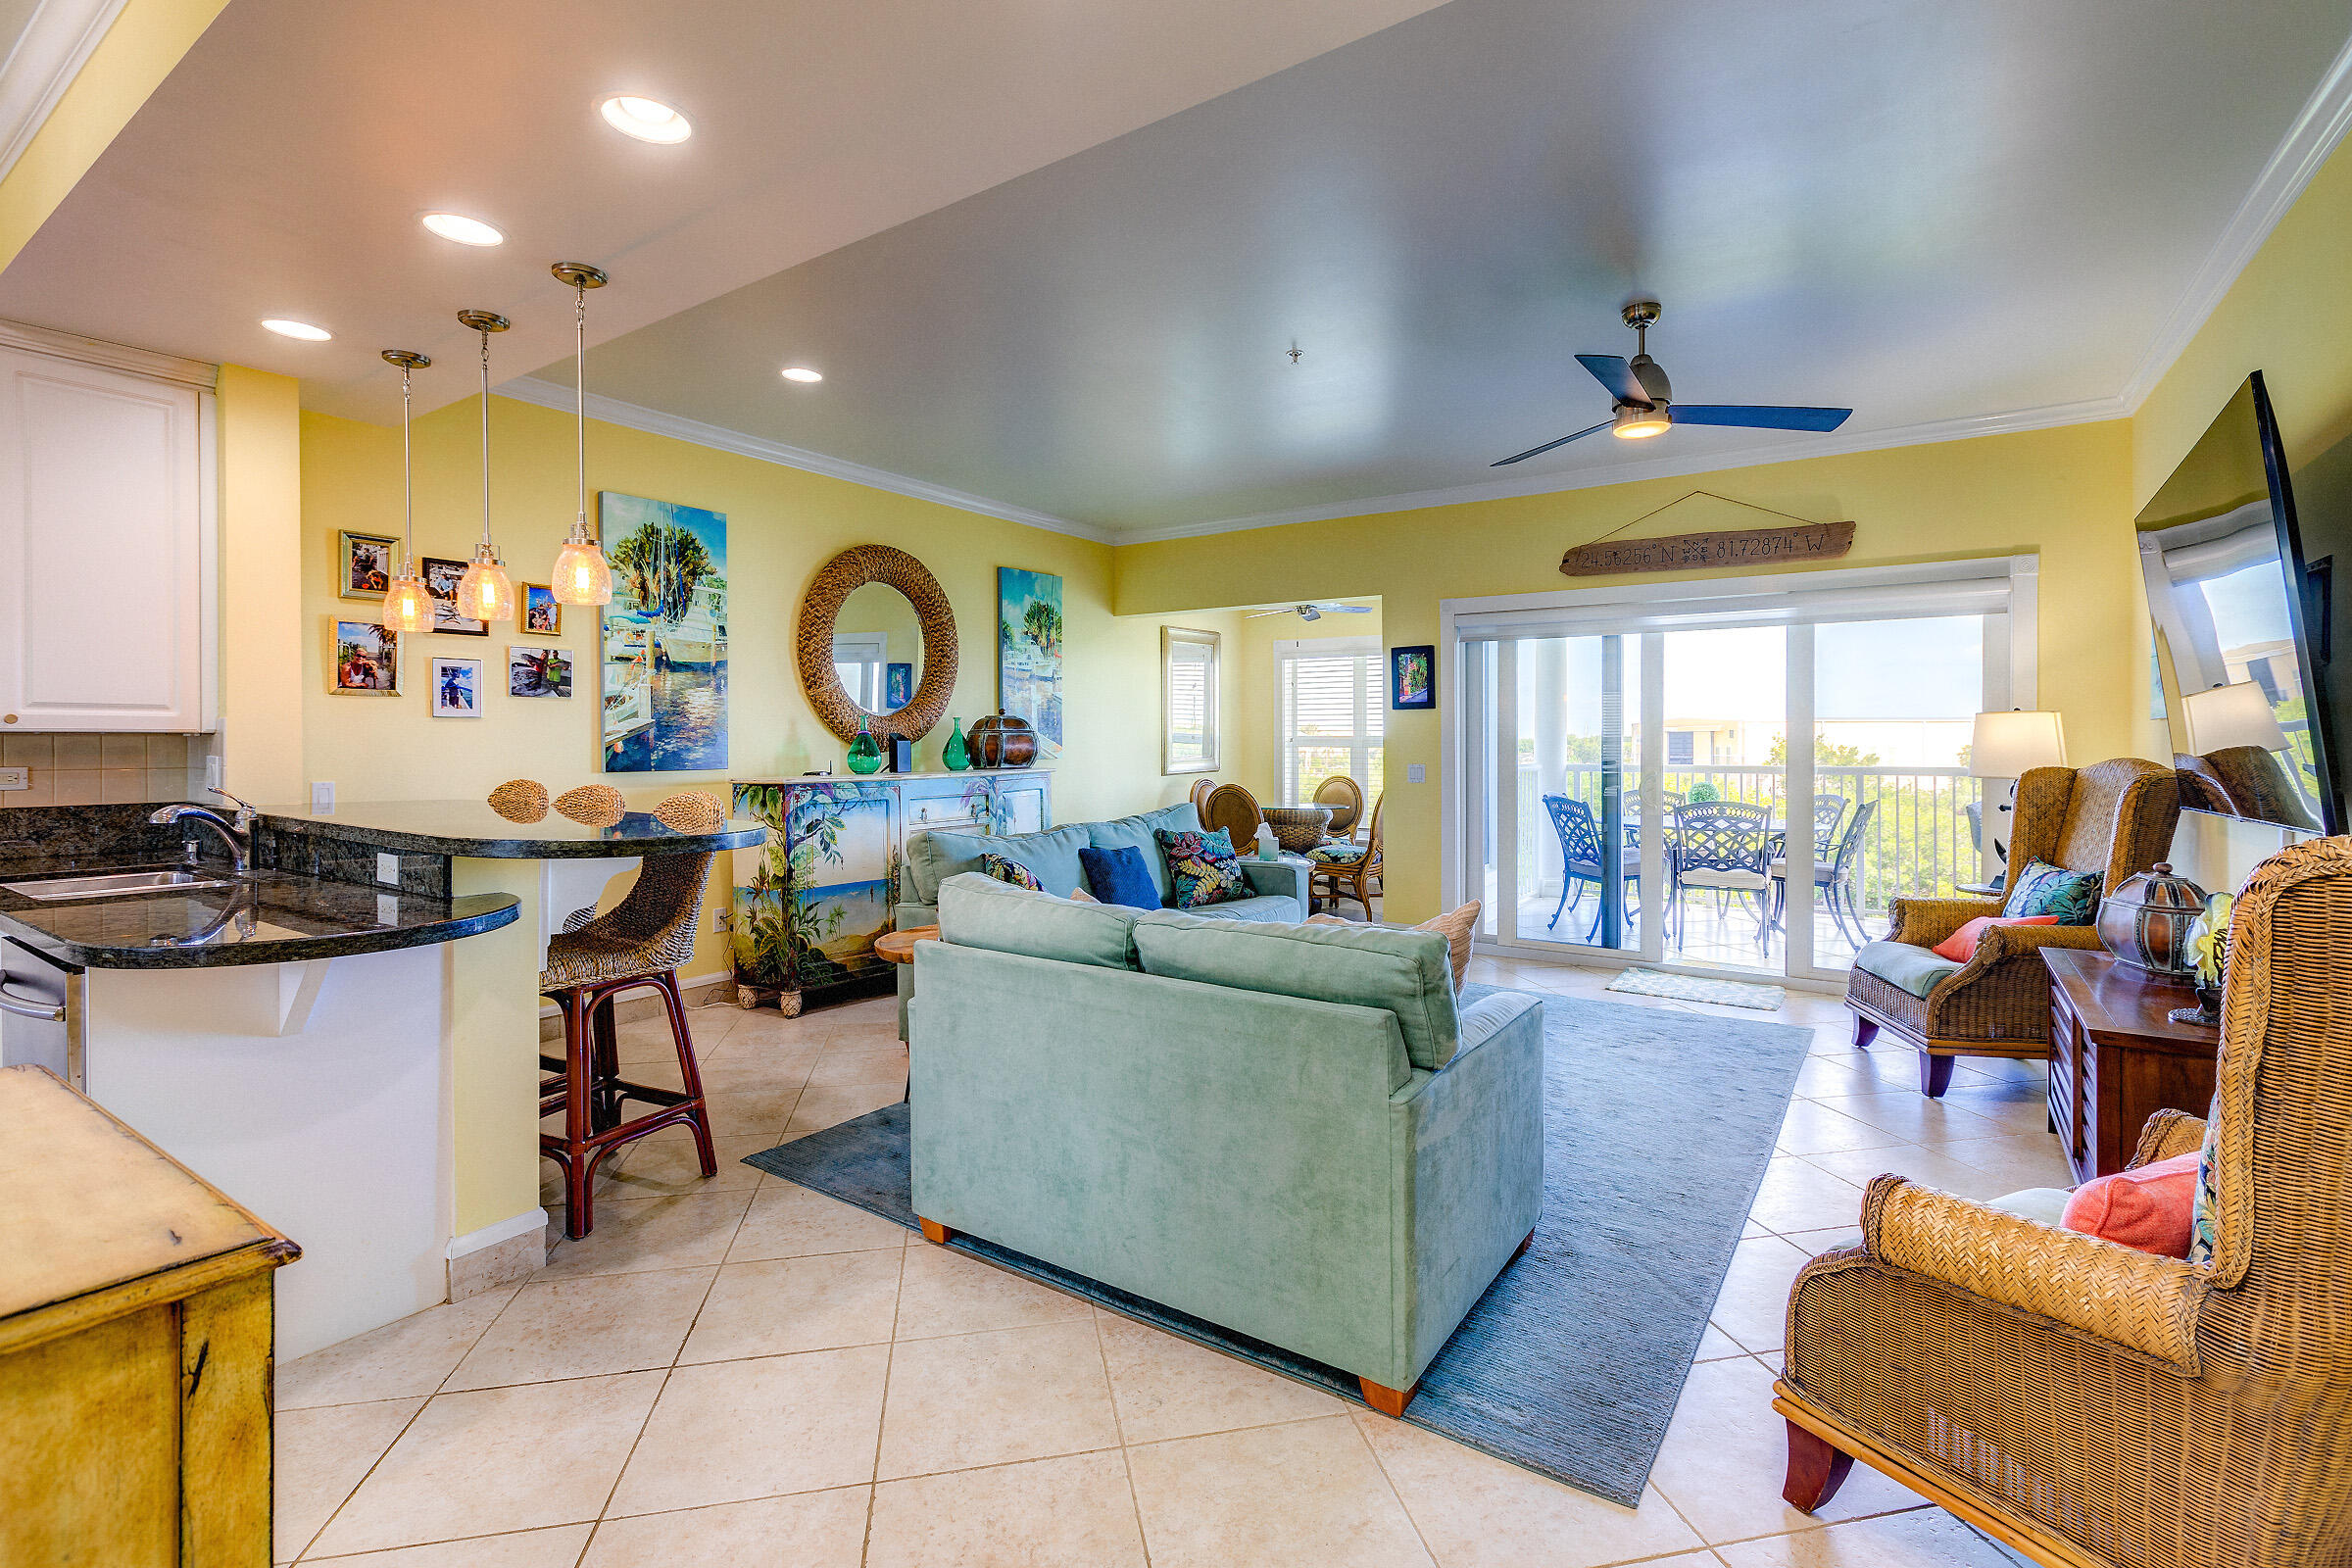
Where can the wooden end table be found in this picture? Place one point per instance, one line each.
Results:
(899, 946)
(2115, 1059)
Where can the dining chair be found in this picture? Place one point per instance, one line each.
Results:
(1827, 812)
(1355, 864)
(1581, 862)
(1345, 798)
(1202, 789)
(1836, 876)
(1723, 846)
(1235, 810)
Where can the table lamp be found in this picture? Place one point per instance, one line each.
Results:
(2237, 714)
(2008, 744)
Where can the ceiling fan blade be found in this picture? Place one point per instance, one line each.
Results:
(1344, 609)
(1548, 445)
(1617, 374)
(1758, 416)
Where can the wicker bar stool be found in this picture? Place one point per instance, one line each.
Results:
(639, 945)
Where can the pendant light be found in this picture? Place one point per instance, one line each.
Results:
(407, 606)
(582, 576)
(484, 593)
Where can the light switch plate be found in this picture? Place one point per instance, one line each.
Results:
(323, 794)
(1416, 773)
(387, 869)
(16, 778)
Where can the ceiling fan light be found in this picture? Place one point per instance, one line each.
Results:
(1639, 425)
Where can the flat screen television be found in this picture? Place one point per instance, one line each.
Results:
(2245, 617)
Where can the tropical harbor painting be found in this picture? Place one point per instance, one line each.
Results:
(1029, 651)
(665, 636)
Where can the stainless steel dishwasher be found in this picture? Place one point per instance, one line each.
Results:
(41, 1013)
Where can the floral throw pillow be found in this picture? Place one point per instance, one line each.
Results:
(2209, 1203)
(1202, 867)
(2045, 889)
(1336, 854)
(1012, 871)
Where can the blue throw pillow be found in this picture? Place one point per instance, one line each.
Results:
(2045, 889)
(1120, 876)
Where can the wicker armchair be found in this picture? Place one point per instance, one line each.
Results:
(2244, 781)
(2115, 817)
(2099, 1407)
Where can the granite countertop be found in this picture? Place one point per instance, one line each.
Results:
(471, 828)
(264, 918)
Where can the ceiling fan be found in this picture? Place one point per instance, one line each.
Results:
(1645, 403)
(1314, 612)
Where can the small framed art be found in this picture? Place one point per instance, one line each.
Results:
(368, 560)
(898, 686)
(457, 688)
(441, 586)
(542, 614)
(538, 672)
(1413, 676)
(364, 660)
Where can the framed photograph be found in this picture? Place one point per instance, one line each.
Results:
(538, 672)
(542, 615)
(362, 659)
(457, 688)
(1413, 676)
(662, 673)
(441, 585)
(1188, 701)
(1029, 651)
(898, 687)
(368, 560)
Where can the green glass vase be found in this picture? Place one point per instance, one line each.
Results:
(865, 754)
(956, 755)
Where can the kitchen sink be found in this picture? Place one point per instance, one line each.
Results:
(114, 884)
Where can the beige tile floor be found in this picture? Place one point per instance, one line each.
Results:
(739, 1371)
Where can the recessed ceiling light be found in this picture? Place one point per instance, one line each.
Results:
(646, 119)
(301, 329)
(802, 372)
(464, 230)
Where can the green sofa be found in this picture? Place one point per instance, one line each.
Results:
(1292, 1131)
(1278, 888)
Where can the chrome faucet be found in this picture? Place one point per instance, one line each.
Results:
(238, 835)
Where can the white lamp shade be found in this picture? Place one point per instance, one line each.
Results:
(2232, 716)
(2007, 745)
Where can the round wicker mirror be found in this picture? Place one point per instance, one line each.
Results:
(820, 611)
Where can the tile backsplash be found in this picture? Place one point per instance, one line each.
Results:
(104, 770)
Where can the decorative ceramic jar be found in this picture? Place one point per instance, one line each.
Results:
(1002, 740)
(2144, 922)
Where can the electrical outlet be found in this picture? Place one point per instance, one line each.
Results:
(16, 778)
(212, 773)
(722, 921)
(1416, 773)
(387, 869)
(323, 794)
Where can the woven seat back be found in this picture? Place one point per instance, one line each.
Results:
(1345, 798)
(1235, 810)
(650, 929)
(2114, 818)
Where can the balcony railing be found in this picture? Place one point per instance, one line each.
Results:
(1920, 840)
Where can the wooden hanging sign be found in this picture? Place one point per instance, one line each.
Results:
(1689, 552)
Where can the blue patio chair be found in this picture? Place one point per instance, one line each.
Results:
(1580, 861)
(1724, 846)
(1837, 879)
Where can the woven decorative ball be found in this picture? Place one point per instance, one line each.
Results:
(691, 812)
(592, 805)
(519, 800)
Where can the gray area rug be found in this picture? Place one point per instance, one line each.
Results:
(1657, 1128)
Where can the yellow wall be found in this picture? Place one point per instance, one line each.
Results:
(261, 571)
(2061, 492)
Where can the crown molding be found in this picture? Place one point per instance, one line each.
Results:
(2089, 412)
(2308, 142)
(113, 355)
(612, 411)
(58, 40)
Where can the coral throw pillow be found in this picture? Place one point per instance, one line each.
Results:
(1456, 926)
(2150, 1209)
(1961, 944)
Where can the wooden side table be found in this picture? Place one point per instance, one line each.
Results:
(2115, 1059)
(898, 947)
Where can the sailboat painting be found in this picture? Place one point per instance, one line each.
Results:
(1029, 651)
(665, 636)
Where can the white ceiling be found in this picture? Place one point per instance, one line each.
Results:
(1043, 262)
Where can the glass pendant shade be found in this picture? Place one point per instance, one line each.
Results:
(407, 606)
(582, 575)
(484, 593)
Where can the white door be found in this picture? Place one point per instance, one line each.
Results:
(105, 589)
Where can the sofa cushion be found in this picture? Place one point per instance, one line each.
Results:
(1267, 908)
(2044, 1205)
(1120, 875)
(1406, 973)
(1917, 970)
(1142, 833)
(979, 911)
(1202, 868)
(936, 855)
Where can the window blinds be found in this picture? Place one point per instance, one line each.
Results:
(1334, 704)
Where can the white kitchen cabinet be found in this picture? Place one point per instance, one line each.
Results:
(106, 549)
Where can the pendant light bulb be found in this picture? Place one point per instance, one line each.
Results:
(407, 606)
(485, 592)
(582, 575)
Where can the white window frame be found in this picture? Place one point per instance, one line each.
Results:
(1371, 697)
(870, 651)
(1169, 638)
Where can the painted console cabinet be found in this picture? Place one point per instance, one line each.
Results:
(810, 903)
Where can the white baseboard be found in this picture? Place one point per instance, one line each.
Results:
(506, 1230)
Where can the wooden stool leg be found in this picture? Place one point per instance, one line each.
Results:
(690, 1072)
(579, 1200)
(607, 1064)
(1815, 1469)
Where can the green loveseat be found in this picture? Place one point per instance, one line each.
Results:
(1292, 1131)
